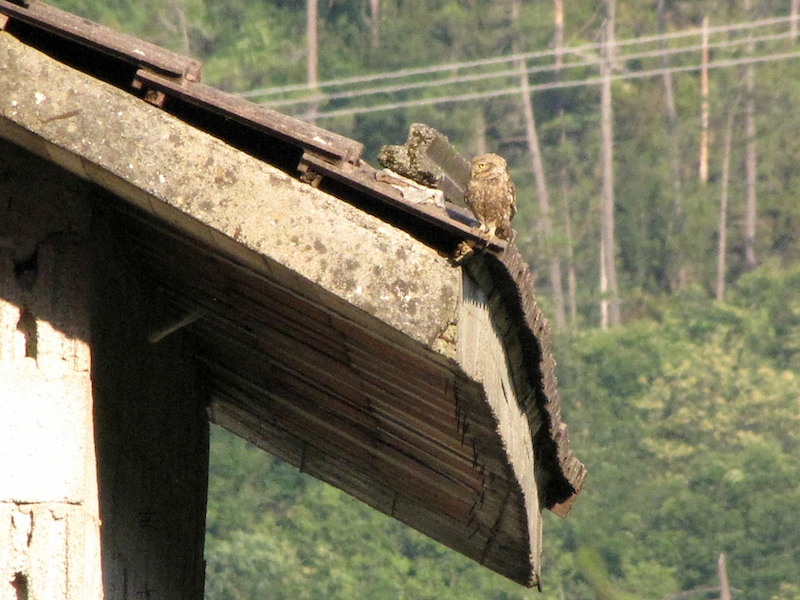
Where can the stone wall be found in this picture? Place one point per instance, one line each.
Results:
(49, 517)
(103, 435)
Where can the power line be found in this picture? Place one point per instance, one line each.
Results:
(586, 62)
(551, 86)
(514, 57)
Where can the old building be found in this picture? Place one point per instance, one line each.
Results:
(170, 254)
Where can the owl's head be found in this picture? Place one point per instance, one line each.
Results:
(488, 165)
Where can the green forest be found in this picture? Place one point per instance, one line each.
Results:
(655, 150)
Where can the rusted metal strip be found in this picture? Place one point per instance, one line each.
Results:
(330, 146)
(103, 39)
(164, 74)
(451, 220)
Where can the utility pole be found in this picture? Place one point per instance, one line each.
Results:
(607, 161)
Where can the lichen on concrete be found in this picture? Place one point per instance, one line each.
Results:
(197, 182)
(410, 160)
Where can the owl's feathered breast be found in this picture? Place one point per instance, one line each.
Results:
(490, 192)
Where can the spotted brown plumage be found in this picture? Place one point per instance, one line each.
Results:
(490, 195)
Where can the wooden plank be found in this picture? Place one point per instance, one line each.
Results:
(103, 39)
(507, 280)
(396, 430)
(350, 403)
(232, 307)
(340, 473)
(357, 448)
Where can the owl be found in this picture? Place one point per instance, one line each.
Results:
(490, 195)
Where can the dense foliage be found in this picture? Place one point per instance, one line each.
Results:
(687, 416)
(689, 427)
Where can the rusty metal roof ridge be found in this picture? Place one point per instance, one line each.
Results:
(157, 74)
(101, 38)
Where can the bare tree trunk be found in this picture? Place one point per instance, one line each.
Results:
(311, 40)
(558, 34)
(375, 22)
(480, 132)
(750, 159)
(180, 11)
(541, 185)
(603, 286)
(724, 588)
(704, 106)
(572, 281)
(723, 204)
(676, 226)
(607, 159)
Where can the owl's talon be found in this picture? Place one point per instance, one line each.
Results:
(463, 252)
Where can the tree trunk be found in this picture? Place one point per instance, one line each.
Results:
(607, 160)
(675, 236)
(704, 105)
(572, 282)
(750, 158)
(558, 34)
(541, 185)
(723, 204)
(572, 279)
(480, 132)
(183, 26)
(603, 286)
(375, 22)
(311, 66)
(724, 588)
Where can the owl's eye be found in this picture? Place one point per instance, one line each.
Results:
(482, 165)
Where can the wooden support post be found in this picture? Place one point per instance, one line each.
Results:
(151, 434)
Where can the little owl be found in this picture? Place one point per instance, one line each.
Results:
(490, 195)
